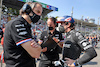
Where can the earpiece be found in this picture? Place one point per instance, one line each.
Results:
(27, 8)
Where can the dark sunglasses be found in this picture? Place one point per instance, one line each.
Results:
(66, 22)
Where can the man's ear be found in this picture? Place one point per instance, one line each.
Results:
(55, 25)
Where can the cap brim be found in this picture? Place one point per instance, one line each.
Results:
(59, 21)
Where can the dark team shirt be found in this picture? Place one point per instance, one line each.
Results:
(17, 32)
(53, 54)
(74, 44)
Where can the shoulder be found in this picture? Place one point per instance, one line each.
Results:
(77, 35)
(14, 22)
(17, 22)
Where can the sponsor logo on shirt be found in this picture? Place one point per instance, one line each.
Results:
(78, 34)
(22, 33)
(21, 29)
(19, 25)
(45, 36)
(69, 36)
(57, 35)
(84, 43)
(89, 46)
(83, 40)
(67, 45)
(80, 37)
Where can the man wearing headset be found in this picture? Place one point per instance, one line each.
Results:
(18, 44)
(75, 43)
(50, 55)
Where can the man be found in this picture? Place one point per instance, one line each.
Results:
(18, 49)
(74, 44)
(49, 56)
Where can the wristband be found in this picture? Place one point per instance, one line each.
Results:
(77, 63)
(74, 64)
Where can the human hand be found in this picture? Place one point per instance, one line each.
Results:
(34, 44)
(44, 49)
(56, 40)
(69, 61)
(72, 65)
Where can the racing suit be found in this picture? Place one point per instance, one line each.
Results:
(74, 44)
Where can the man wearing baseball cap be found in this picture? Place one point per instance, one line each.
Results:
(75, 43)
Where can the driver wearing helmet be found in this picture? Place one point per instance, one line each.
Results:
(74, 44)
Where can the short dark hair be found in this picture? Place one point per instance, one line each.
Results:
(72, 24)
(53, 19)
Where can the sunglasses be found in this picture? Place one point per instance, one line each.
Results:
(66, 23)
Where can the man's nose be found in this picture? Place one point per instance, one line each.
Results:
(49, 25)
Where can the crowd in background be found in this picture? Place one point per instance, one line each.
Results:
(93, 39)
(6, 18)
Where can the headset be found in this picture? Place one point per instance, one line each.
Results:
(27, 8)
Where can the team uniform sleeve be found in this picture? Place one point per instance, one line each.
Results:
(90, 52)
(81, 41)
(20, 34)
(88, 55)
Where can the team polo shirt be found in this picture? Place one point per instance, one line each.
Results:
(53, 54)
(17, 32)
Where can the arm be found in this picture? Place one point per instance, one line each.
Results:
(22, 37)
(89, 55)
(34, 52)
(40, 42)
(44, 49)
(58, 42)
(90, 52)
